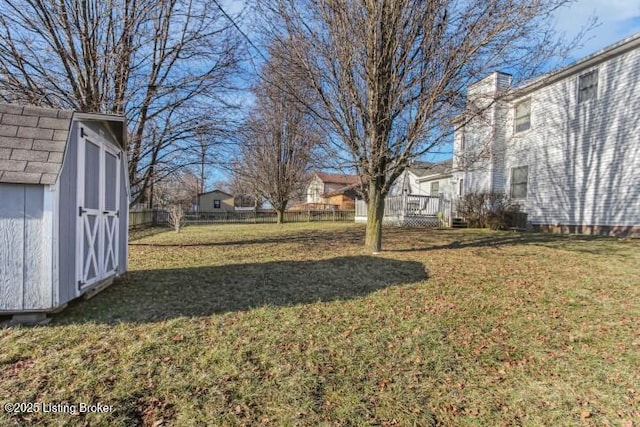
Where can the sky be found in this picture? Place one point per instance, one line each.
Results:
(617, 19)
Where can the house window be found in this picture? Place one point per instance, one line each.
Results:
(461, 188)
(435, 188)
(588, 86)
(519, 178)
(462, 141)
(523, 115)
(216, 204)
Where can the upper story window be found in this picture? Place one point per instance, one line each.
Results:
(216, 204)
(588, 86)
(523, 115)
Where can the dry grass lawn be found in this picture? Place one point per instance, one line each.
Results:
(297, 325)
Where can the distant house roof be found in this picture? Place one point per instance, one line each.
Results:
(33, 141)
(423, 169)
(349, 191)
(336, 178)
(215, 191)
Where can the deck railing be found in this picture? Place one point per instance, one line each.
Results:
(412, 205)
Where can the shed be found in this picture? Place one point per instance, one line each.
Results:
(64, 197)
(215, 201)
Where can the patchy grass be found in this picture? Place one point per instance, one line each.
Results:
(296, 325)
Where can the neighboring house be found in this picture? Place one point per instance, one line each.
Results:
(215, 201)
(420, 196)
(566, 147)
(64, 197)
(342, 198)
(426, 179)
(338, 190)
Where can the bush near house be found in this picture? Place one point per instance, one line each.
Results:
(490, 210)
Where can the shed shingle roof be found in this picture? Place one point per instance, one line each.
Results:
(32, 140)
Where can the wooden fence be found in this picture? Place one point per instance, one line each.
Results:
(158, 217)
(147, 218)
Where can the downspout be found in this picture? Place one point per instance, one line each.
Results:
(494, 110)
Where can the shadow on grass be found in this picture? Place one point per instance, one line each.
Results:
(353, 236)
(596, 245)
(154, 295)
(142, 232)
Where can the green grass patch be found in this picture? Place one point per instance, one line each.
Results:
(297, 325)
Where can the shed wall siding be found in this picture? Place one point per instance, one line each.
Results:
(12, 242)
(37, 250)
(25, 237)
(68, 213)
(124, 216)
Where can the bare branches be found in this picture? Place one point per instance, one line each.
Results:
(278, 142)
(157, 61)
(390, 77)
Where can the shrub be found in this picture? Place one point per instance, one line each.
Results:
(489, 210)
(175, 217)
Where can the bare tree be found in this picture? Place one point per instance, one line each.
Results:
(278, 143)
(165, 64)
(180, 188)
(175, 214)
(390, 76)
(245, 191)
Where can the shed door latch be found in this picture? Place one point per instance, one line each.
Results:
(81, 211)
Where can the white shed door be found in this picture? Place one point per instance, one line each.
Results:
(98, 208)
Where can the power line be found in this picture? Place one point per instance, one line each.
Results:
(237, 27)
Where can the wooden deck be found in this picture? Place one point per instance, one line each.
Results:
(412, 210)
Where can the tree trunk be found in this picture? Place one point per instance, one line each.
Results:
(375, 213)
(280, 213)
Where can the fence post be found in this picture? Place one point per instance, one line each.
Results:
(404, 203)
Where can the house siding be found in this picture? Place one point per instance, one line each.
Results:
(205, 202)
(315, 190)
(583, 158)
(445, 187)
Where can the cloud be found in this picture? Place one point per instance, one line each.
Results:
(617, 19)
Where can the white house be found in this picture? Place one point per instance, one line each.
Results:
(322, 184)
(420, 196)
(425, 179)
(565, 146)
